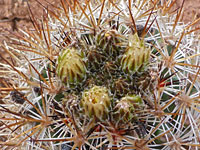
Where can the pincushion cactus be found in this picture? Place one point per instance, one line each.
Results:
(102, 75)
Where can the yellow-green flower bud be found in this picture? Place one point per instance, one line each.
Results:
(136, 57)
(126, 107)
(96, 102)
(108, 41)
(71, 68)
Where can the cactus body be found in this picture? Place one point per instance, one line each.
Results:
(95, 59)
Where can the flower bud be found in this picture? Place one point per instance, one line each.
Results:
(71, 68)
(125, 108)
(96, 102)
(136, 57)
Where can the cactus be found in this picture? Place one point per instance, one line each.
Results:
(102, 75)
